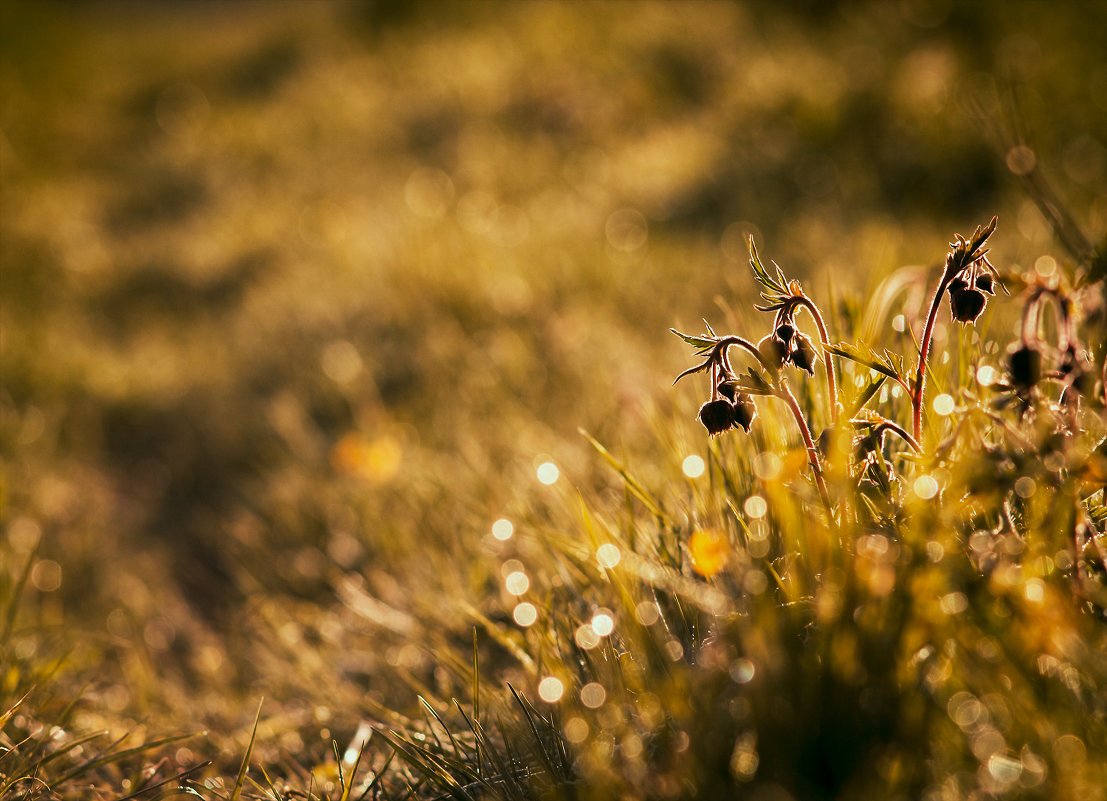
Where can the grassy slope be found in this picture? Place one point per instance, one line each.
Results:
(291, 298)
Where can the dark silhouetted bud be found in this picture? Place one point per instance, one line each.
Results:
(957, 284)
(1025, 366)
(744, 411)
(717, 416)
(985, 283)
(784, 332)
(728, 389)
(804, 355)
(773, 351)
(967, 304)
(867, 444)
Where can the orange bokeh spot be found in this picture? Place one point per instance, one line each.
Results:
(709, 550)
(375, 459)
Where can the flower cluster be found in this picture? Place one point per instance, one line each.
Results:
(969, 276)
(1026, 358)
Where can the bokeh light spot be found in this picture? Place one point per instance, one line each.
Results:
(525, 614)
(576, 730)
(742, 671)
(943, 404)
(46, 575)
(592, 695)
(608, 555)
(550, 689)
(693, 466)
(603, 623)
(586, 637)
(517, 583)
(986, 375)
(626, 230)
(503, 529)
(1034, 591)
(647, 613)
(1021, 160)
(756, 506)
(925, 487)
(548, 473)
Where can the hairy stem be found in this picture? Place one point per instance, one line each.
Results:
(727, 342)
(924, 352)
(812, 452)
(898, 430)
(828, 359)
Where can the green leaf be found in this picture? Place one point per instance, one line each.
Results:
(866, 395)
(237, 790)
(778, 285)
(754, 383)
(702, 343)
(865, 357)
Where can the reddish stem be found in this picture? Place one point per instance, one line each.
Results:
(812, 452)
(924, 352)
(828, 359)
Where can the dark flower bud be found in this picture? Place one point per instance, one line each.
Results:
(967, 304)
(784, 332)
(957, 284)
(804, 354)
(727, 389)
(985, 283)
(717, 416)
(1025, 366)
(866, 445)
(744, 411)
(773, 352)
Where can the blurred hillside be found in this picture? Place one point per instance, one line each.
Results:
(294, 292)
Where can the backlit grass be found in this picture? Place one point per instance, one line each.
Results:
(336, 378)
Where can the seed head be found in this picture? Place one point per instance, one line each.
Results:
(717, 416)
(967, 304)
(773, 351)
(744, 411)
(1025, 366)
(804, 354)
(784, 332)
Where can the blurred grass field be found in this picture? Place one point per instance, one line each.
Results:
(297, 297)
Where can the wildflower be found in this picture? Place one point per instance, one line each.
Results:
(717, 416)
(967, 304)
(1025, 367)
(804, 355)
(744, 411)
(773, 351)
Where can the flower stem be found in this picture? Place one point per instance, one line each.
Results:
(785, 394)
(828, 359)
(924, 352)
(725, 343)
